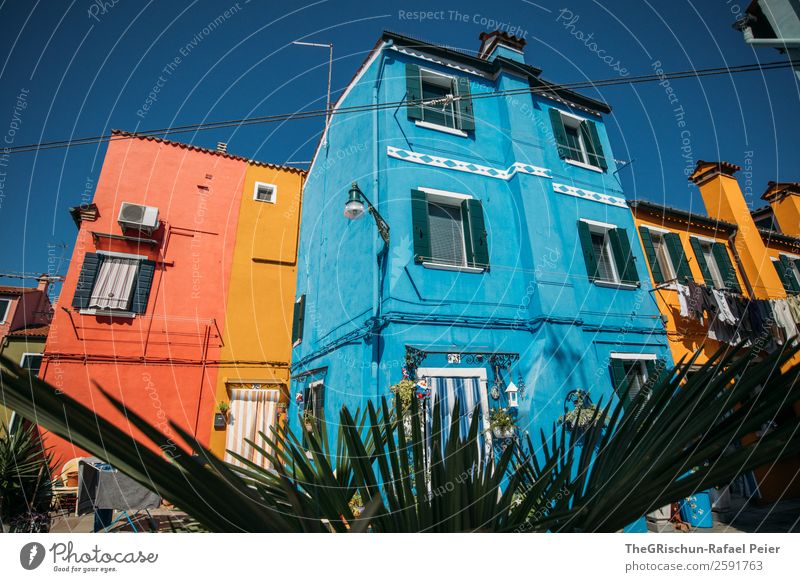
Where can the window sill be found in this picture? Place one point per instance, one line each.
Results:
(446, 267)
(585, 166)
(442, 128)
(108, 313)
(616, 285)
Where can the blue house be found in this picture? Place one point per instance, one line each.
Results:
(496, 251)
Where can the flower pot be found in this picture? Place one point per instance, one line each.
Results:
(503, 433)
(220, 420)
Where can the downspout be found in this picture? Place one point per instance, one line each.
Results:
(378, 251)
(738, 259)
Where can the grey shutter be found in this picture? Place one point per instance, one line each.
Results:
(585, 236)
(142, 286)
(86, 280)
(677, 257)
(650, 253)
(594, 148)
(475, 237)
(626, 266)
(298, 319)
(419, 226)
(701, 262)
(620, 380)
(720, 252)
(465, 111)
(559, 133)
(790, 282)
(413, 91)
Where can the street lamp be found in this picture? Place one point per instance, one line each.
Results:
(354, 209)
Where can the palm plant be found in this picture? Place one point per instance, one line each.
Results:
(677, 436)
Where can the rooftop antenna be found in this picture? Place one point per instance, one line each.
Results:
(329, 46)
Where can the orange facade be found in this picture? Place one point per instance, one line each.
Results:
(143, 310)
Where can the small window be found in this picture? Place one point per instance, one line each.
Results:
(630, 374)
(577, 140)
(662, 255)
(298, 322)
(31, 362)
(114, 283)
(447, 233)
(113, 288)
(788, 269)
(314, 407)
(715, 264)
(265, 192)
(436, 87)
(607, 253)
(5, 306)
(606, 270)
(713, 267)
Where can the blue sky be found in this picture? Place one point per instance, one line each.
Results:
(85, 67)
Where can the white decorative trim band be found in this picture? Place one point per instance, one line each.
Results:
(589, 195)
(469, 167)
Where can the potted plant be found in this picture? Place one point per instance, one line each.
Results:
(502, 423)
(583, 415)
(221, 416)
(309, 419)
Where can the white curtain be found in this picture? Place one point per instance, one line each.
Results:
(252, 411)
(114, 284)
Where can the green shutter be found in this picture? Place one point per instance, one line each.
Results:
(413, 91)
(585, 236)
(677, 257)
(465, 104)
(559, 133)
(594, 148)
(419, 226)
(475, 237)
(298, 319)
(701, 261)
(620, 380)
(623, 257)
(86, 279)
(720, 252)
(781, 270)
(141, 290)
(790, 282)
(650, 253)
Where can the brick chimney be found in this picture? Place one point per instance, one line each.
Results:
(499, 43)
(43, 282)
(784, 199)
(724, 200)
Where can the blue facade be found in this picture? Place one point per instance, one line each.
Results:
(534, 315)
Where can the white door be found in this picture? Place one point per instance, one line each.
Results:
(252, 411)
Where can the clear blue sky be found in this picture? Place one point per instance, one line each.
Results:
(83, 70)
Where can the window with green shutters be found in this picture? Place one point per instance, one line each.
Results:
(298, 320)
(630, 375)
(577, 139)
(448, 231)
(665, 255)
(114, 283)
(429, 92)
(607, 254)
(715, 264)
(788, 270)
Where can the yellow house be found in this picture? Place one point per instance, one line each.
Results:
(253, 380)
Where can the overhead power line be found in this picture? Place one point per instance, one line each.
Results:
(543, 89)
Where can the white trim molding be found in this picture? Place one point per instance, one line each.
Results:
(633, 356)
(273, 199)
(442, 128)
(468, 167)
(590, 195)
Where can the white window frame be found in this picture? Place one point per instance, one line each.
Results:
(456, 112)
(274, 187)
(4, 315)
(667, 270)
(711, 261)
(575, 121)
(596, 227)
(641, 359)
(113, 312)
(26, 354)
(446, 198)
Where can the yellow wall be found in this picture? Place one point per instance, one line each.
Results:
(787, 213)
(260, 298)
(685, 335)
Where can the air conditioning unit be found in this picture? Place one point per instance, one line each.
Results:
(139, 217)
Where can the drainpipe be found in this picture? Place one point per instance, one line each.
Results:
(376, 242)
(781, 43)
(738, 259)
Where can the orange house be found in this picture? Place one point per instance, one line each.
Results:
(143, 306)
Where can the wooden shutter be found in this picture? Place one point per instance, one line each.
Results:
(626, 266)
(142, 286)
(790, 282)
(657, 368)
(419, 226)
(781, 270)
(720, 252)
(620, 380)
(559, 133)
(465, 111)
(413, 91)
(475, 237)
(677, 257)
(701, 261)
(298, 320)
(86, 280)
(650, 253)
(585, 236)
(594, 148)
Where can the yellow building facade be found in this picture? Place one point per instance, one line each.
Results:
(253, 384)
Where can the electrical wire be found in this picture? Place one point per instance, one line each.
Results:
(544, 89)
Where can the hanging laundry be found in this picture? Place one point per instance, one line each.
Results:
(683, 298)
(723, 309)
(793, 301)
(696, 300)
(783, 317)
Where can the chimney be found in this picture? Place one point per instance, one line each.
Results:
(43, 282)
(501, 44)
(222, 147)
(784, 199)
(724, 200)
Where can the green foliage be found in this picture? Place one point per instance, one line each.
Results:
(622, 466)
(500, 419)
(25, 486)
(404, 393)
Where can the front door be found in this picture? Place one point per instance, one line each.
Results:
(252, 410)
